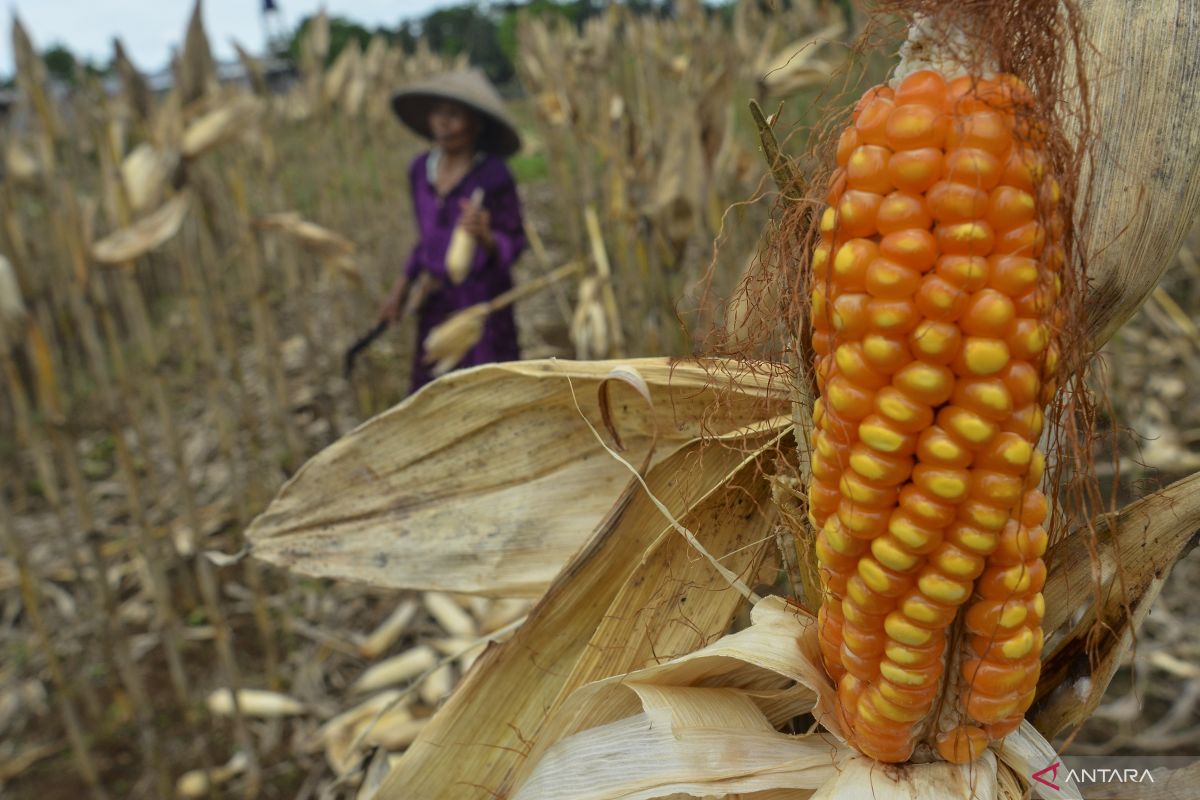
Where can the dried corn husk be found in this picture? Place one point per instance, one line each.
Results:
(197, 783)
(12, 305)
(448, 343)
(148, 233)
(145, 172)
(254, 703)
(589, 323)
(310, 235)
(219, 125)
(366, 725)
(195, 70)
(635, 560)
(20, 163)
(397, 669)
(450, 615)
(376, 506)
(796, 66)
(389, 630)
(1146, 197)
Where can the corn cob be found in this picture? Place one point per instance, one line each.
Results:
(933, 306)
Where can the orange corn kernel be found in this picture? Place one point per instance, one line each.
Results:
(935, 342)
(1009, 208)
(890, 280)
(850, 264)
(950, 201)
(902, 411)
(923, 509)
(892, 317)
(916, 170)
(987, 397)
(916, 126)
(973, 167)
(938, 299)
(968, 273)
(962, 745)
(923, 87)
(913, 247)
(988, 313)
(937, 447)
(1020, 543)
(972, 539)
(866, 169)
(856, 213)
(900, 211)
(852, 362)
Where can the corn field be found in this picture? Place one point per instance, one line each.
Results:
(231, 567)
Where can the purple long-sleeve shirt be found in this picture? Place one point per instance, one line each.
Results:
(490, 273)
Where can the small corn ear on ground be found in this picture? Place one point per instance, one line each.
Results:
(934, 290)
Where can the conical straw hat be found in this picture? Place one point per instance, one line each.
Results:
(469, 87)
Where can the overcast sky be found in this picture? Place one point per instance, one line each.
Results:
(149, 28)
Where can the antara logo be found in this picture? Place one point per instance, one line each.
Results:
(1053, 770)
(1048, 775)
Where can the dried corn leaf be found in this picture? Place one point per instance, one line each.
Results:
(483, 731)
(195, 70)
(145, 171)
(497, 502)
(310, 235)
(1136, 551)
(146, 234)
(1145, 65)
(219, 125)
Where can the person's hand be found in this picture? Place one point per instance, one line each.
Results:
(478, 223)
(392, 308)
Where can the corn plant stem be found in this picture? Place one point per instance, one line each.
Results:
(538, 248)
(265, 338)
(42, 452)
(600, 256)
(63, 695)
(114, 634)
(115, 642)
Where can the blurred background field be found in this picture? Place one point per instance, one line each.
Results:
(187, 261)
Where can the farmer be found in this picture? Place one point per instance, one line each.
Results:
(464, 117)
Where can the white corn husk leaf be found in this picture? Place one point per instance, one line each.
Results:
(145, 171)
(397, 669)
(219, 125)
(254, 703)
(148, 233)
(859, 778)
(497, 502)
